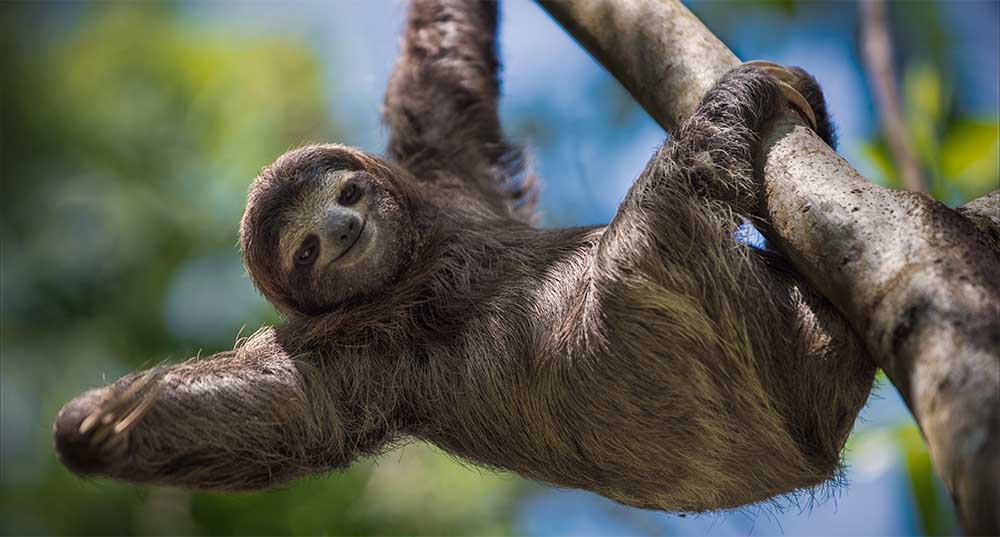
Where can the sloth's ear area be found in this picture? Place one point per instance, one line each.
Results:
(237, 420)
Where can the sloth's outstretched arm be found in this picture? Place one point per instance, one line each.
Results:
(441, 103)
(245, 419)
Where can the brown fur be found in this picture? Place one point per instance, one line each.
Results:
(655, 361)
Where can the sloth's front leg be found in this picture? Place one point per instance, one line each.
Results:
(249, 418)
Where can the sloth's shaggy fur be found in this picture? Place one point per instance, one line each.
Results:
(655, 361)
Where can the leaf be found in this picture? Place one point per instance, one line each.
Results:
(923, 110)
(922, 93)
(970, 156)
(933, 507)
(877, 152)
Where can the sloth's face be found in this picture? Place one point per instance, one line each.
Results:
(326, 224)
(342, 237)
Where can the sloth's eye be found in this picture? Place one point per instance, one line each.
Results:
(308, 251)
(350, 194)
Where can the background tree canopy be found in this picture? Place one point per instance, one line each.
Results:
(131, 132)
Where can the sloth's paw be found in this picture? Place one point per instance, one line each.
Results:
(789, 80)
(91, 432)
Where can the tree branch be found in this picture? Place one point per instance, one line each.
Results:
(876, 49)
(915, 279)
(660, 52)
(984, 212)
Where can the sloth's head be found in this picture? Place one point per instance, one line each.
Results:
(325, 224)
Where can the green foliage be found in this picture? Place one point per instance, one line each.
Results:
(871, 450)
(923, 111)
(402, 495)
(961, 154)
(970, 156)
(931, 500)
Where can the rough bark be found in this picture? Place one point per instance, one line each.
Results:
(919, 282)
(985, 214)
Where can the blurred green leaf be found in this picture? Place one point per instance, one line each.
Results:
(786, 7)
(935, 516)
(923, 109)
(970, 156)
(960, 155)
(922, 94)
(877, 152)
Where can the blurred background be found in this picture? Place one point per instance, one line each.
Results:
(130, 132)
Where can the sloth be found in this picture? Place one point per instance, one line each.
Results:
(656, 360)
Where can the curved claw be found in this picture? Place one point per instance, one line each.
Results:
(106, 414)
(107, 425)
(786, 79)
(92, 432)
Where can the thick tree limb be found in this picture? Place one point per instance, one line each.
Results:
(876, 49)
(920, 284)
(985, 214)
(916, 280)
(660, 52)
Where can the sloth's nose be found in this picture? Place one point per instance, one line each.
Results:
(342, 227)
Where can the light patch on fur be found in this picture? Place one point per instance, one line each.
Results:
(305, 216)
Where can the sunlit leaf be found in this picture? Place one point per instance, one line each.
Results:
(970, 156)
(923, 97)
(933, 510)
(878, 154)
(922, 93)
